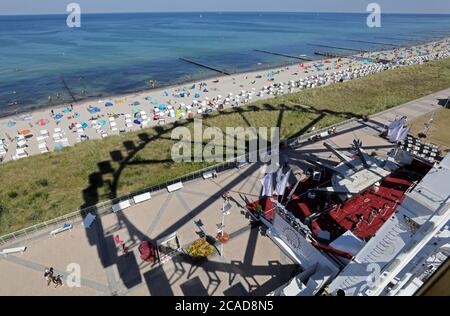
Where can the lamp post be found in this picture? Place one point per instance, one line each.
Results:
(222, 236)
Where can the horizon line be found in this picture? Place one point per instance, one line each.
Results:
(228, 11)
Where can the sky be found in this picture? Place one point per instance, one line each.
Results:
(13, 7)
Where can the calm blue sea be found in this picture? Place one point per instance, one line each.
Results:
(119, 53)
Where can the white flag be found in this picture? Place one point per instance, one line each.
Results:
(394, 129)
(279, 174)
(282, 185)
(267, 183)
(402, 134)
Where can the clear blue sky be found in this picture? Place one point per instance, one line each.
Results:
(8, 7)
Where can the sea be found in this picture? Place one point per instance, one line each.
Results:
(44, 62)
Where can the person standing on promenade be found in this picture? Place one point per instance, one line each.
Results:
(48, 274)
(57, 281)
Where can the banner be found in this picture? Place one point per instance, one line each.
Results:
(267, 183)
(282, 185)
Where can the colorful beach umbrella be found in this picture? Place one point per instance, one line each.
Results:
(25, 132)
(11, 124)
(42, 122)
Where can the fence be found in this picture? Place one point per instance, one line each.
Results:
(106, 206)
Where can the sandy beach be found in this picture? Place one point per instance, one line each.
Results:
(52, 129)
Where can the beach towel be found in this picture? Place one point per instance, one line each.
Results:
(93, 110)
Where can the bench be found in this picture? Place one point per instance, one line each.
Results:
(121, 206)
(13, 250)
(242, 164)
(175, 187)
(209, 175)
(142, 198)
(90, 218)
(66, 227)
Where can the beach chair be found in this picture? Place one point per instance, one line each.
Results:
(20, 153)
(41, 139)
(57, 137)
(65, 142)
(43, 148)
(21, 144)
(2, 153)
(44, 133)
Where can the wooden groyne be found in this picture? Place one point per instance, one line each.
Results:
(68, 88)
(283, 55)
(330, 55)
(376, 43)
(342, 48)
(399, 39)
(205, 66)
